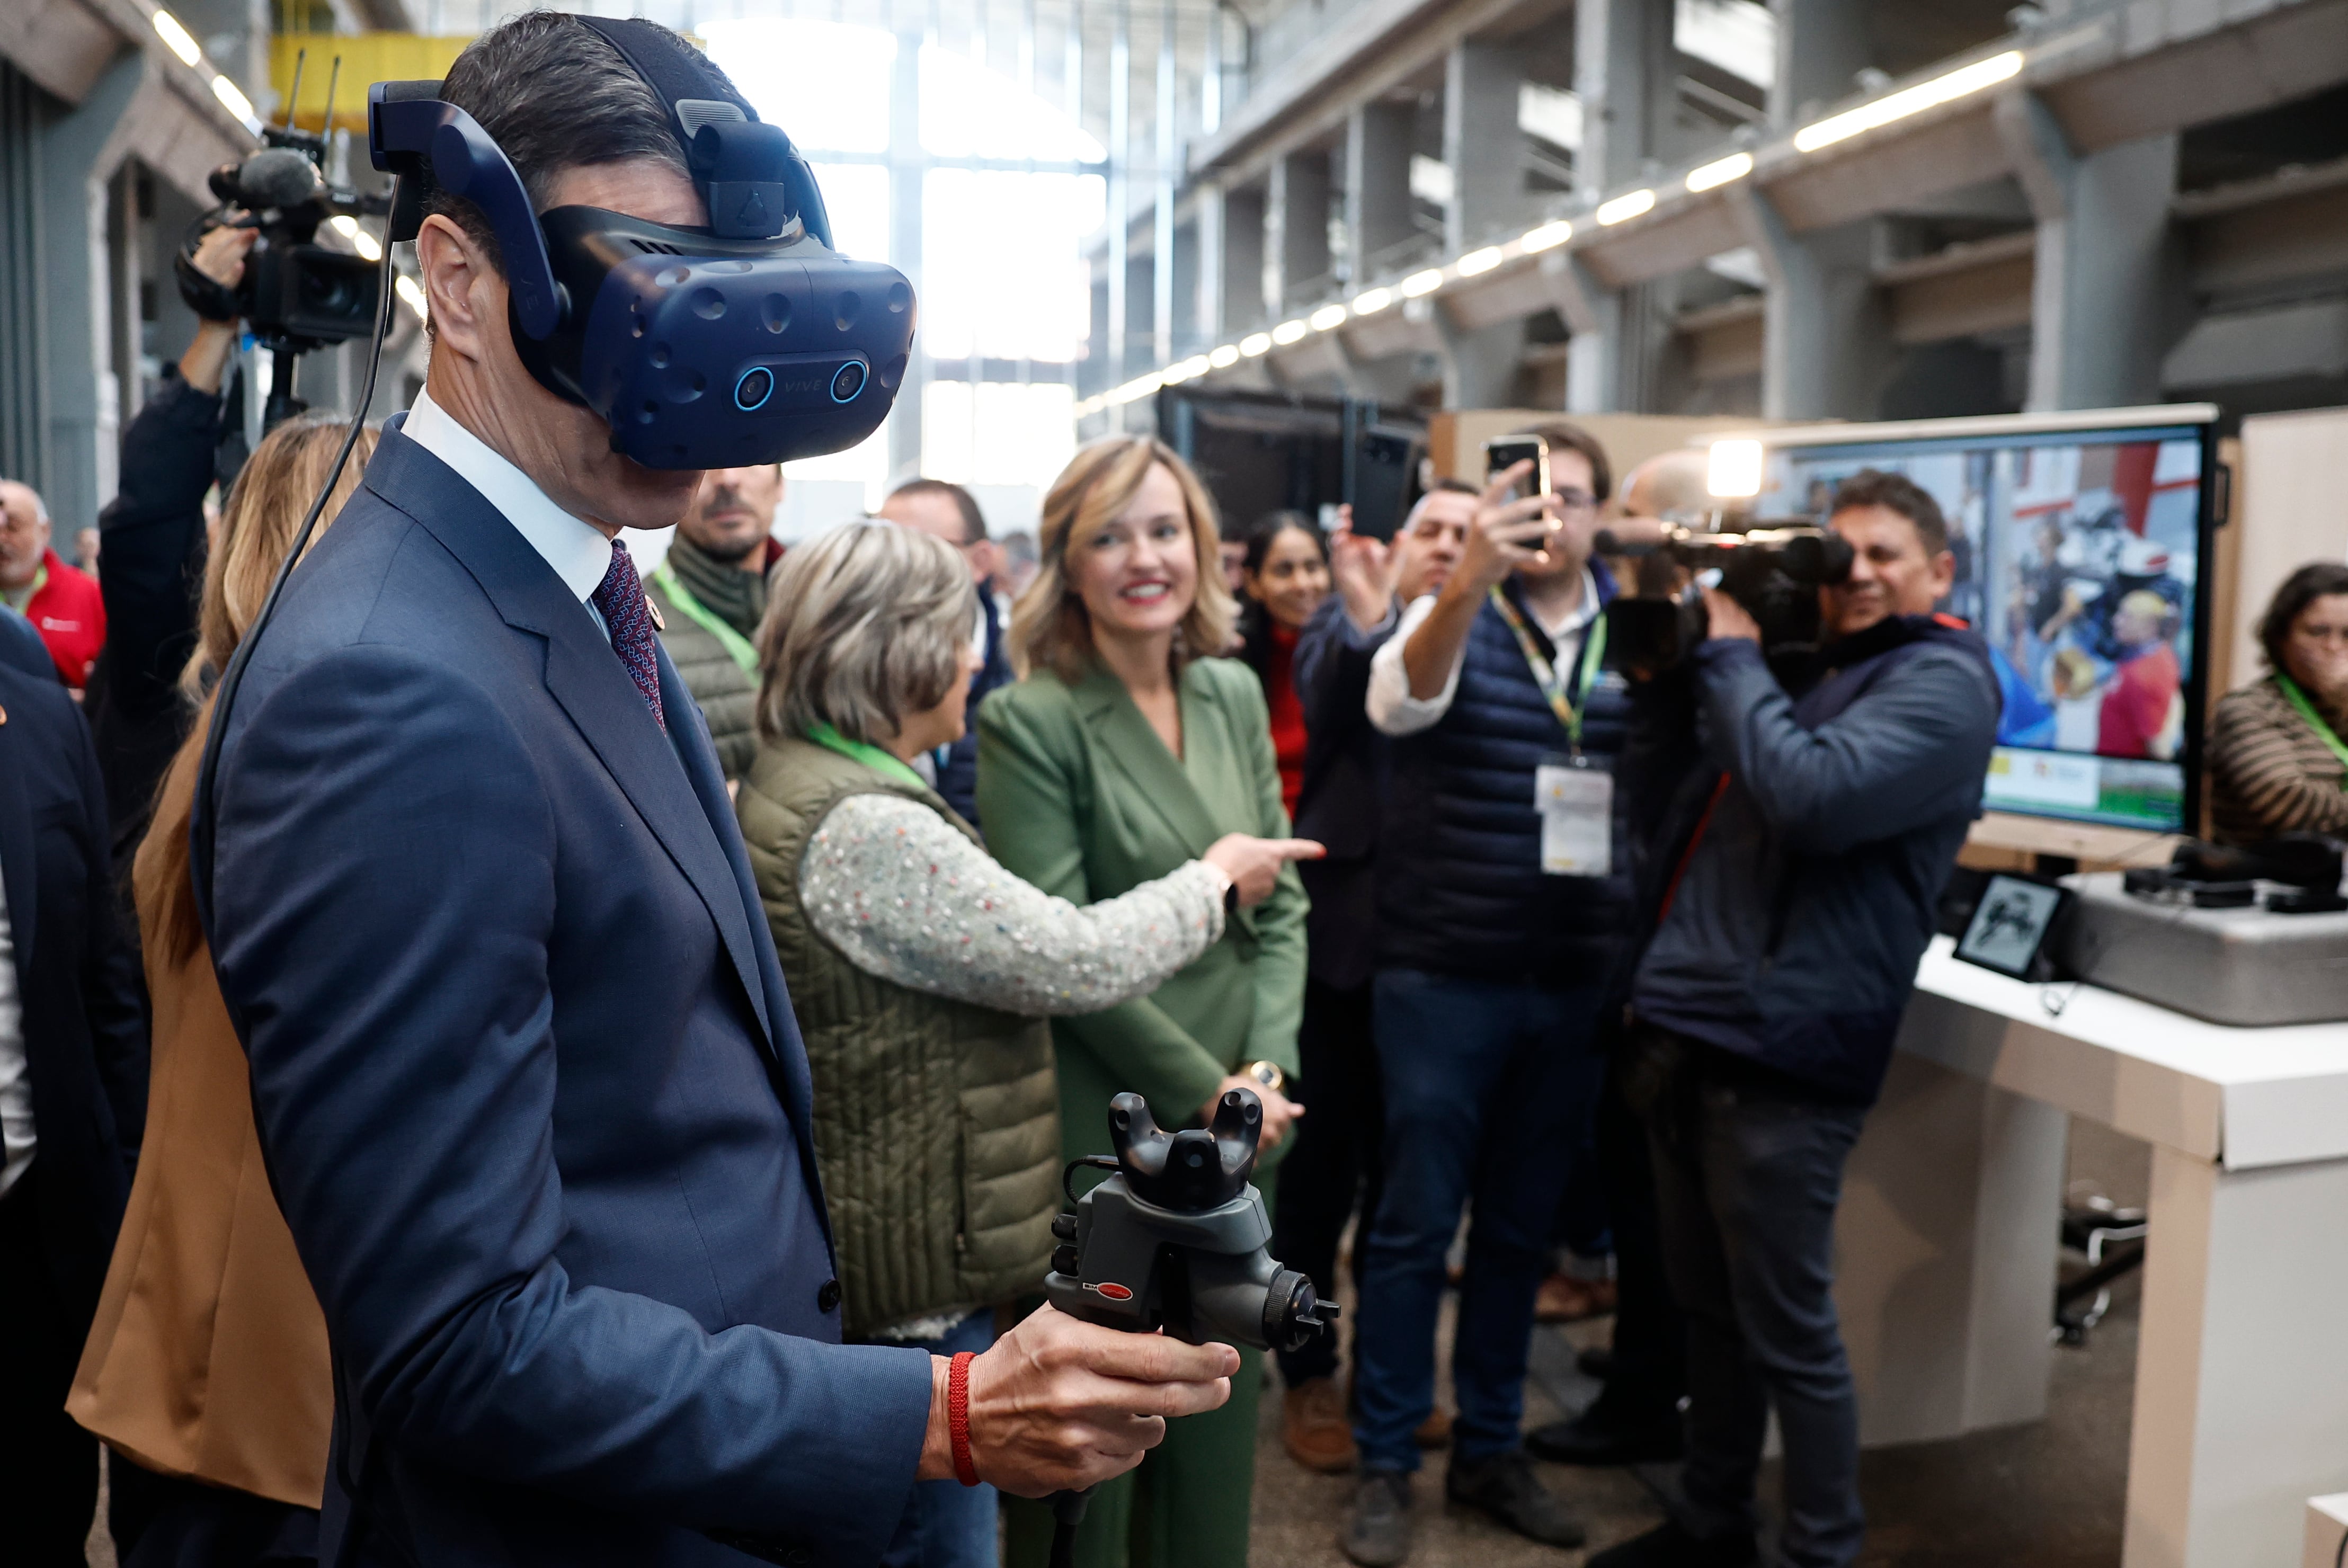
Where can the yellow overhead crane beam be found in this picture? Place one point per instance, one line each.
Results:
(367, 58)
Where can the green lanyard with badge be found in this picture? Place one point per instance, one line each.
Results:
(2315, 721)
(891, 768)
(1573, 793)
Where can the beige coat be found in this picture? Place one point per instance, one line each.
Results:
(208, 1358)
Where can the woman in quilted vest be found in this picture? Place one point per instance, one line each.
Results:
(921, 972)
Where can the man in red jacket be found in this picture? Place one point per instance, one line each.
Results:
(61, 601)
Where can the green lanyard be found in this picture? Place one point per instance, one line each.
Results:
(1569, 710)
(732, 641)
(872, 756)
(2316, 722)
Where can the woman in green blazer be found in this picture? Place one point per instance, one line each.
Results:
(1121, 755)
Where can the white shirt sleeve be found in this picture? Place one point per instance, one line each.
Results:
(905, 897)
(1392, 709)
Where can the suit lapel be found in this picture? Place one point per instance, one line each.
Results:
(585, 676)
(1134, 749)
(17, 869)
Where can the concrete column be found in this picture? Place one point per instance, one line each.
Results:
(1241, 250)
(1822, 45)
(1161, 238)
(1480, 367)
(1377, 183)
(75, 159)
(1481, 142)
(1297, 230)
(1828, 347)
(2107, 299)
(1624, 72)
(905, 242)
(1186, 336)
(1210, 279)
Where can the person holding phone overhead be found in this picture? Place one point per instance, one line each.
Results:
(1502, 899)
(1122, 753)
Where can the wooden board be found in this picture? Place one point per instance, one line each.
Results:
(1455, 441)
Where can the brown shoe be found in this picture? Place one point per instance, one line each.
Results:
(1564, 1299)
(1315, 1428)
(1434, 1433)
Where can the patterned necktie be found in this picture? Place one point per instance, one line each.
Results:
(619, 600)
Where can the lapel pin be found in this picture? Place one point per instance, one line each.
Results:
(653, 611)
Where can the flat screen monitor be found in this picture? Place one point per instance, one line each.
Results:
(2082, 552)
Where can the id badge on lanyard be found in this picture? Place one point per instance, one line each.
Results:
(1575, 797)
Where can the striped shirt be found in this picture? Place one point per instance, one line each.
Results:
(2270, 771)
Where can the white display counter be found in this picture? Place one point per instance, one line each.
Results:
(1947, 1246)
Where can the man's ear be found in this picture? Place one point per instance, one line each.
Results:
(461, 287)
(1944, 573)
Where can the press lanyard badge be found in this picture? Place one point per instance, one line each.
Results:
(1575, 797)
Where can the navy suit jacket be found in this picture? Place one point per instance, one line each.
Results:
(528, 1080)
(85, 1036)
(958, 779)
(1345, 762)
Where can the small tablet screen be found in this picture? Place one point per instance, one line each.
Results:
(2010, 925)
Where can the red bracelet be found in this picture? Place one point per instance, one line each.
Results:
(958, 1416)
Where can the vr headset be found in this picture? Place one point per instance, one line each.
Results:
(749, 341)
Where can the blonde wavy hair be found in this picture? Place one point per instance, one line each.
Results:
(272, 495)
(1050, 628)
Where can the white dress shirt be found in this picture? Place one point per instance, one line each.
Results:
(576, 548)
(16, 1072)
(1396, 712)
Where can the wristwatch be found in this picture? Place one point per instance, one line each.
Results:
(1268, 1074)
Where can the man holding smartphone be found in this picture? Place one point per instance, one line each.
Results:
(1502, 899)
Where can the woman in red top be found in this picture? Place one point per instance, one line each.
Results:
(1286, 575)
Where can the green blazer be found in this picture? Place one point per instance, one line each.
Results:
(1081, 798)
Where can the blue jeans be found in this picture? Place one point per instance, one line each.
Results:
(1490, 1088)
(947, 1524)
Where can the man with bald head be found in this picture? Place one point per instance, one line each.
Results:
(60, 599)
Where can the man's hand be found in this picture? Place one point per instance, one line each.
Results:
(1364, 569)
(1279, 1110)
(1505, 534)
(1059, 1404)
(220, 256)
(1728, 618)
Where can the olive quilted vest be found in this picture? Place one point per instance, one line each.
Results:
(936, 1122)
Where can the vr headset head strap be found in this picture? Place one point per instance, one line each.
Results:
(750, 175)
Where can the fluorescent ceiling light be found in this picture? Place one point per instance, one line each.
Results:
(1942, 90)
(1372, 301)
(1195, 366)
(1735, 470)
(1548, 236)
(411, 294)
(1140, 387)
(232, 98)
(1425, 282)
(1482, 261)
(1255, 342)
(1736, 166)
(181, 42)
(1224, 357)
(361, 241)
(1288, 331)
(1328, 316)
(1624, 207)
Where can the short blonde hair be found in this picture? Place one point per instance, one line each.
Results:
(1049, 626)
(864, 625)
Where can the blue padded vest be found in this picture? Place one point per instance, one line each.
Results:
(1460, 888)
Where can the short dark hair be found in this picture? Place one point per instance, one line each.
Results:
(1456, 486)
(554, 96)
(1895, 492)
(2316, 580)
(973, 522)
(1572, 437)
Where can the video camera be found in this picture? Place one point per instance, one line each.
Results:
(1774, 569)
(296, 294)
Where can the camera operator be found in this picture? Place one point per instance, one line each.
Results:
(154, 537)
(523, 1062)
(1768, 1000)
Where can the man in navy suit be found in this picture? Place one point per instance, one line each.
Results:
(946, 510)
(73, 1096)
(525, 1069)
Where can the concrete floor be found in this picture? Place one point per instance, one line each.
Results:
(2046, 1495)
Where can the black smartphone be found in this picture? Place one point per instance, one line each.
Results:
(1383, 479)
(1511, 450)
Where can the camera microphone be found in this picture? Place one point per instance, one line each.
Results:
(277, 177)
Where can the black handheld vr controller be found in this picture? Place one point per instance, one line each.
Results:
(1176, 1237)
(749, 341)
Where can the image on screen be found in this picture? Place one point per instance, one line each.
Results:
(2078, 559)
